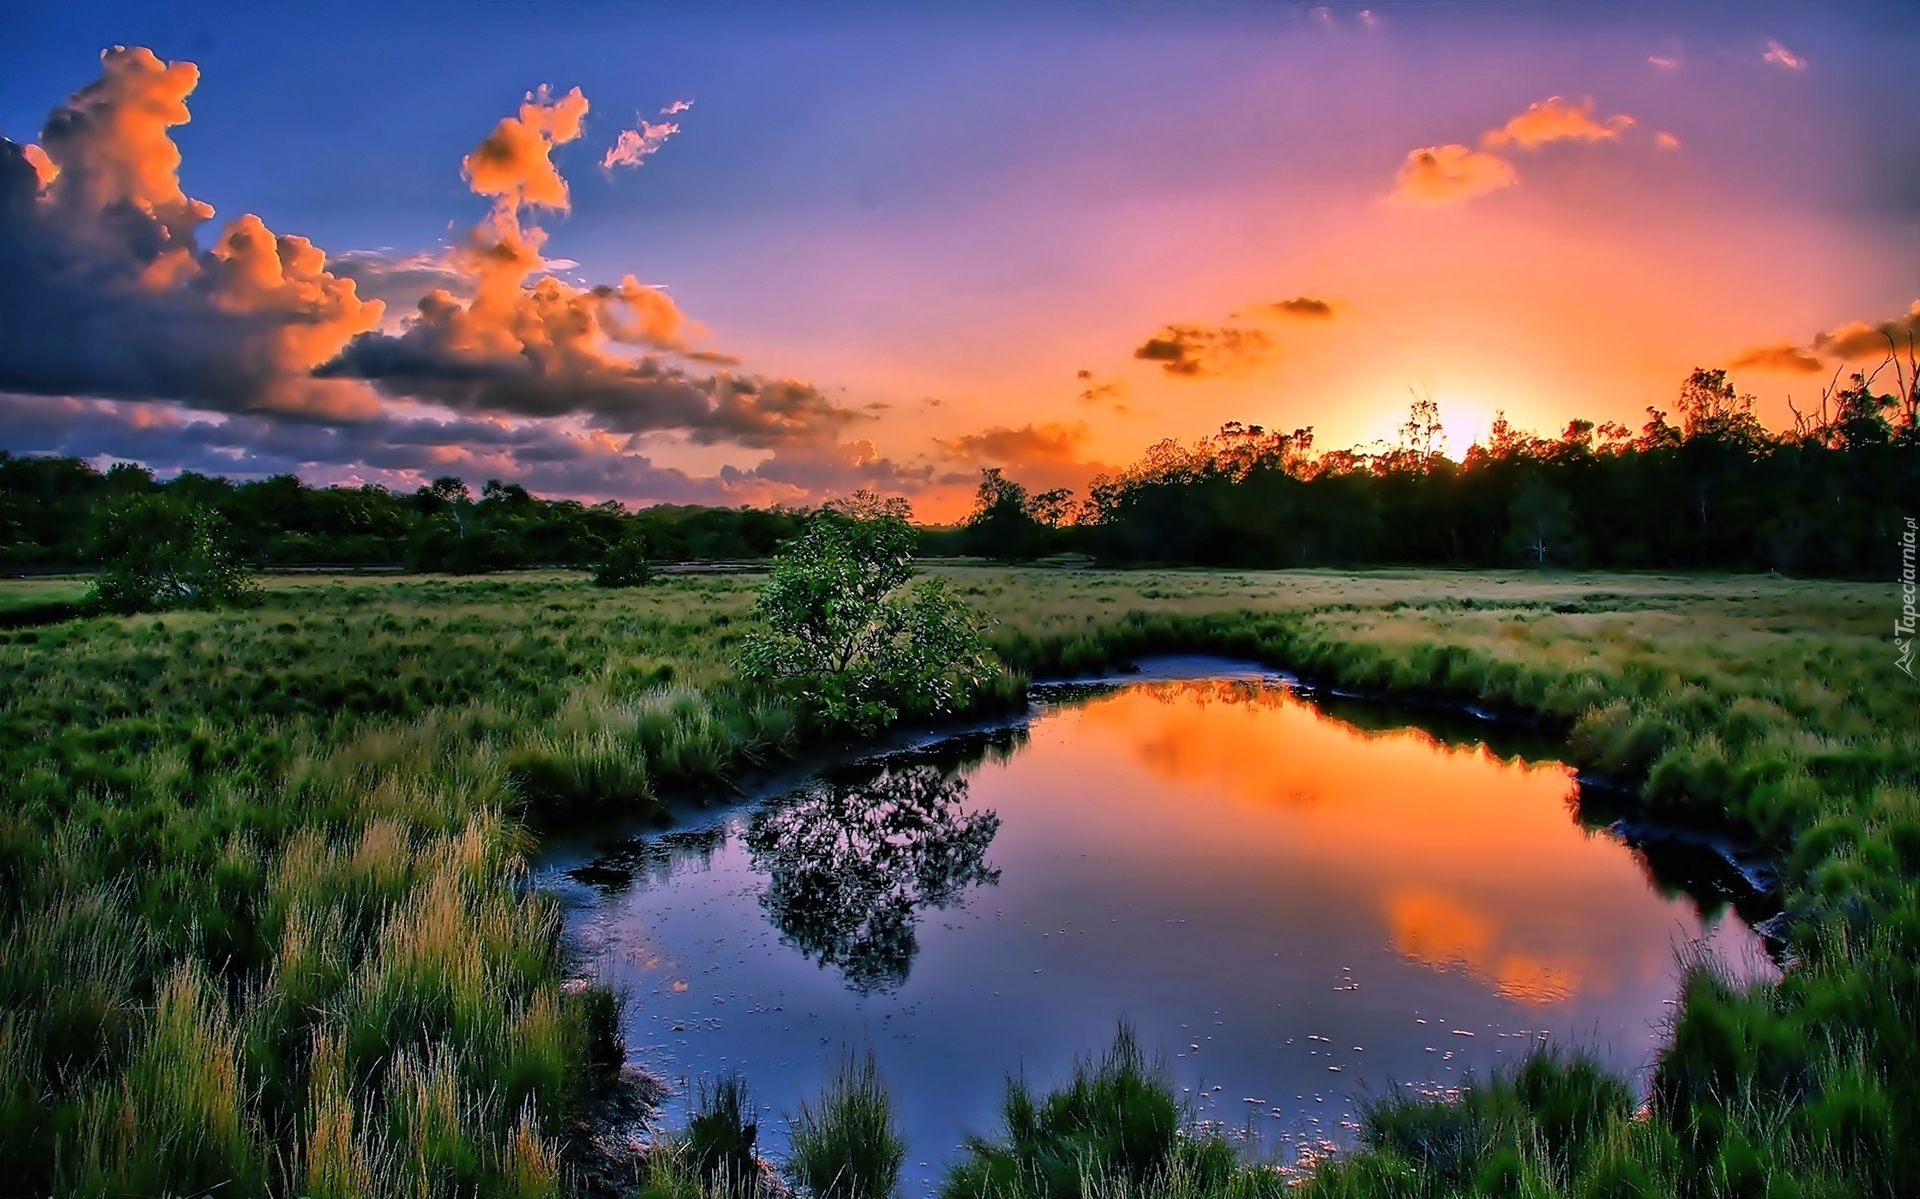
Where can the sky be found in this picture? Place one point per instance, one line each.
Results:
(752, 253)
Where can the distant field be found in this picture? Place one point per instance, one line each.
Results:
(52, 589)
(282, 846)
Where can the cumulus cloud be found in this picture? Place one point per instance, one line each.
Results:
(1666, 140)
(1555, 120)
(1780, 56)
(514, 163)
(676, 108)
(635, 144)
(1192, 351)
(1040, 454)
(1449, 174)
(525, 343)
(1782, 357)
(125, 331)
(106, 291)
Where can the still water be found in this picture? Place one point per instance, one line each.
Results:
(1295, 910)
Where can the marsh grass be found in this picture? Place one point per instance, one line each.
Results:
(287, 846)
(722, 1134)
(1114, 1127)
(848, 1145)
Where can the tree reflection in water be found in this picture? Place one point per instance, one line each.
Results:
(851, 864)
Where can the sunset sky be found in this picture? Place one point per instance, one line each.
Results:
(798, 249)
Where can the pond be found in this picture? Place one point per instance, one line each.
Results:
(1296, 906)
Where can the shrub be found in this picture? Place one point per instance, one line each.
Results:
(856, 643)
(625, 564)
(160, 552)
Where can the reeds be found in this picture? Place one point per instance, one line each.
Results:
(847, 1145)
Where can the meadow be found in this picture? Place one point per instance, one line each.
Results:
(265, 925)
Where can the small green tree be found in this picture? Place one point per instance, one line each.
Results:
(848, 635)
(159, 552)
(625, 564)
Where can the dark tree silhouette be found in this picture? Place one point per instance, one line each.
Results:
(850, 866)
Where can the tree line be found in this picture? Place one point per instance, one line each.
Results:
(61, 512)
(1707, 487)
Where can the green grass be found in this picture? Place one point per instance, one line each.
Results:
(1114, 1126)
(264, 922)
(848, 1144)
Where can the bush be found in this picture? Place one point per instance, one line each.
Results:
(850, 1146)
(853, 640)
(161, 553)
(625, 564)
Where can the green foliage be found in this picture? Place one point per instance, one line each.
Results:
(848, 637)
(848, 1144)
(626, 562)
(162, 553)
(48, 506)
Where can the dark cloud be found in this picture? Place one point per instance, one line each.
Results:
(628, 396)
(105, 290)
(1195, 350)
(406, 451)
(1305, 307)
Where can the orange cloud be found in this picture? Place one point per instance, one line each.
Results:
(1667, 141)
(44, 168)
(106, 292)
(524, 342)
(1030, 443)
(1555, 120)
(1450, 173)
(1858, 339)
(1191, 351)
(1782, 357)
(515, 161)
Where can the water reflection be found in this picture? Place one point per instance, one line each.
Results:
(1294, 907)
(852, 864)
(651, 860)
